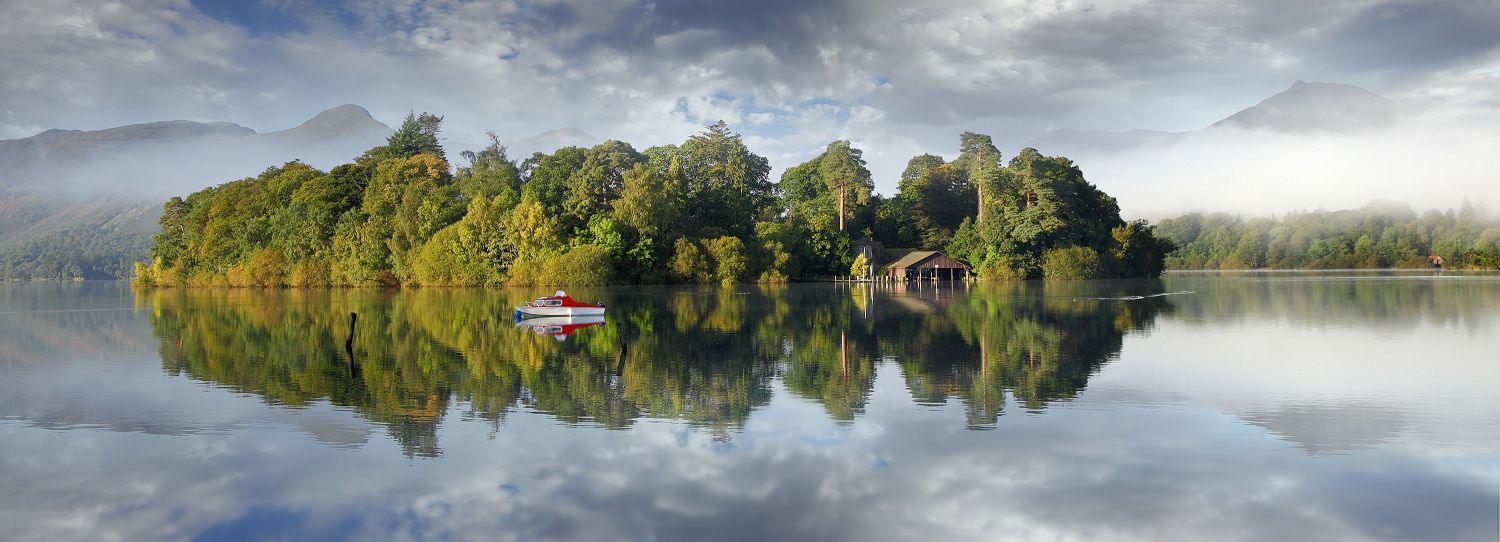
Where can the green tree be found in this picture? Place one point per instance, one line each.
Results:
(546, 177)
(168, 245)
(860, 269)
(490, 171)
(1072, 262)
(599, 180)
(650, 201)
(418, 134)
(842, 167)
(531, 231)
(980, 160)
(689, 264)
(726, 186)
(934, 199)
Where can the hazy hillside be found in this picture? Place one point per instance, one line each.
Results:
(345, 122)
(58, 238)
(1314, 107)
(1311, 145)
(57, 147)
(550, 141)
(161, 158)
(1060, 141)
(77, 203)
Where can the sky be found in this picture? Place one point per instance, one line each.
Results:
(895, 77)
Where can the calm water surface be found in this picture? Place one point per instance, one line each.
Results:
(1291, 406)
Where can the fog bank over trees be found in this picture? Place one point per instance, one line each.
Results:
(1313, 146)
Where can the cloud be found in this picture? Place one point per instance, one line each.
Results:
(894, 73)
(1162, 446)
(1199, 476)
(1412, 36)
(1427, 161)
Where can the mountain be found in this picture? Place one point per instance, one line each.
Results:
(84, 203)
(347, 121)
(74, 143)
(62, 148)
(1314, 107)
(130, 160)
(551, 141)
(1307, 107)
(96, 238)
(1100, 139)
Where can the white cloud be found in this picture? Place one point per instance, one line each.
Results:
(1429, 162)
(903, 75)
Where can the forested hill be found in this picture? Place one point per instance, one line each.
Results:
(63, 238)
(129, 160)
(704, 210)
(1381, 234)
(83, 204)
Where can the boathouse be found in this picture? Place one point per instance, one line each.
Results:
(928, 265)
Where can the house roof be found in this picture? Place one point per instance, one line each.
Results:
(915, 258)
(911, 258)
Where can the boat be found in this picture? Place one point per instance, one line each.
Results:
(559, 327)
(558, 304)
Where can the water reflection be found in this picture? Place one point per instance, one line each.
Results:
(706, 356)
(1388, 301)
(559, 327)
(1342, 408)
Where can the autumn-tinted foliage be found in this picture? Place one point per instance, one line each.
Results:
(702, 211)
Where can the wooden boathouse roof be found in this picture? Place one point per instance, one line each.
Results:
(928, 259)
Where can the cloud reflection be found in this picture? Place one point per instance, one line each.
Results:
(1138, 422)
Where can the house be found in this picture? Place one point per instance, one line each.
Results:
(926, 264)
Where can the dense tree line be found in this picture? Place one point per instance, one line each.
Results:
(1378, 235)
(701, 211)
(707, 356)
(1035, 217)
(75, 253)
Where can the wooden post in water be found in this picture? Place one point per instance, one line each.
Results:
(984, 350)
(844, 353)
(620, 364)
(349, 347)
(349, 342)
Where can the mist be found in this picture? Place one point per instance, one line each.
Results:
(158, 170)
(1428, 162)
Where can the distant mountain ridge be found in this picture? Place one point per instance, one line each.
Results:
(550, 141)
(1101, 140)
(1316, 106)
(84, 203)
(122, 158)
(344, 121)
(1305, 107)
(61, 146)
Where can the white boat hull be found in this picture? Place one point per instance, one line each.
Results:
(561, 320)
(560, 311)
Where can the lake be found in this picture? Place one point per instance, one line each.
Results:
(1233, 406)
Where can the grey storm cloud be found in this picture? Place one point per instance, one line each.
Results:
(962, 59)
(1402, 37)
(898, 78)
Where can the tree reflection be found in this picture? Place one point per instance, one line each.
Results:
(1040, 341)
(707, 356)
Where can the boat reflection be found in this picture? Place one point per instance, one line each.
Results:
(559, 327)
